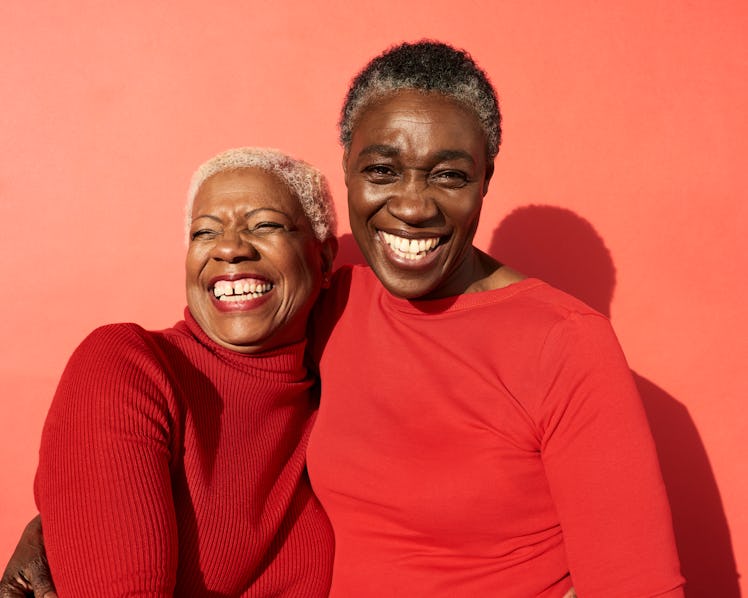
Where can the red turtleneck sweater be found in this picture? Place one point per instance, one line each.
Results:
(170, 465)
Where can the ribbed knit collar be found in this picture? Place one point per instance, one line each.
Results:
(284, 363)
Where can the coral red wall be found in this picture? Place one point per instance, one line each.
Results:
(622, 178)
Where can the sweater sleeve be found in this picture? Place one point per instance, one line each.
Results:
(602, 467)
(103, 484)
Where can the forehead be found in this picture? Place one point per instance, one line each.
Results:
(418, 117)
(251, 188)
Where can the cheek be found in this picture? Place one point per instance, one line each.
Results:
(467, 211)
(360, 218)
(191, 270)
(363, 198)
(196, 257)
(302, 273)
(310, 271)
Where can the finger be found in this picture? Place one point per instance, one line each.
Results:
(39, 577)
(14, 587)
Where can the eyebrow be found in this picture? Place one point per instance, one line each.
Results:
(248, 214)
(209, 216)
(253, 212)
(389, 151)
(446, 155)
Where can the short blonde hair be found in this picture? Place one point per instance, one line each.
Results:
(304, 181)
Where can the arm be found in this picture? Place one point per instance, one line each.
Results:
(27, 573)
(602, 467)
(103, 486)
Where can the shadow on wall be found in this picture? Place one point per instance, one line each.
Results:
(563, 249)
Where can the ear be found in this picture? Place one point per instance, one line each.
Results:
(489, 174)
(329, 249)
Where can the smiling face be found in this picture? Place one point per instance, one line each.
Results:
(254, 267)
(416, 173)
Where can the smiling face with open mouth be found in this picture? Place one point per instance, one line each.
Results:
(254, 267)
(416, 173)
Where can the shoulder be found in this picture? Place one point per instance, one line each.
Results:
(527, 308)
(579, 350)
(549, 298)
(541, 331)
(112, 341)
(569, 316)
(119, 353)
(127, 332)
(118, 375)
(566, 325)
(536, 303)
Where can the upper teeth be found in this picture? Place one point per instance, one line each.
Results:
(410, 248)
(228, 290)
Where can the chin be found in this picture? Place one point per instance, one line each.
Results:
(241, 339)
(407, 289)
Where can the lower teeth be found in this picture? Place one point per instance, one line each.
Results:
(236, 298)
(411, 256)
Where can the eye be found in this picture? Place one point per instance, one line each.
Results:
(202, 233)
(266, 226)
(451, 179)
(380, 174)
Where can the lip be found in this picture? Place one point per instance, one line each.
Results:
(404, 263)
(237, 306)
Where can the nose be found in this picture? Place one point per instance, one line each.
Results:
(412, 202)
(233, 247)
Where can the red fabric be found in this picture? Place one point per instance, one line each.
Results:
(491, 444)
(170, 465)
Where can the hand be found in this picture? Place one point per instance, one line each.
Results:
(570, 594)
(27, 573)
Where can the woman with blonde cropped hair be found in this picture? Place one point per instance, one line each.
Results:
(173, 461)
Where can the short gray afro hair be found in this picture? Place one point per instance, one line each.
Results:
(304, 181)
(427, 66)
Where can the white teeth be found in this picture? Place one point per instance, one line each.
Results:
(410, 249)
(240, 290)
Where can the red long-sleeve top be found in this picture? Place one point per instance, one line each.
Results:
(490, 444)
(172, 466)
